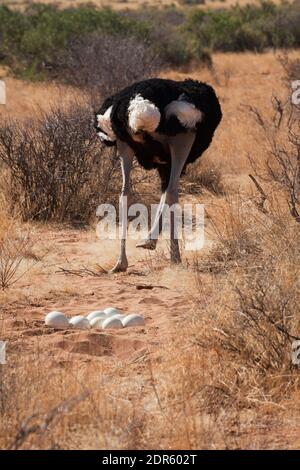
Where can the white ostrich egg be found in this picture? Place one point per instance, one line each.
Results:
(133, 320)
(79, 322)
(97, 322)
(112, 323)
(95, 314)
(112, 311)
(57, 320)
(118, 315)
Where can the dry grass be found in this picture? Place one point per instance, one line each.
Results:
(81, 411)
(17, 255)
(213, 368)
(203, 176)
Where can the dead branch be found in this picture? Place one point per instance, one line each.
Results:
(39, 424)
(84, 271)
(260, 203)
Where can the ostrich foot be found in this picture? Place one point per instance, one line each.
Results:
(148, 244)
(120, 267)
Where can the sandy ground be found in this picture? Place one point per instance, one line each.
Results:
(74, 295)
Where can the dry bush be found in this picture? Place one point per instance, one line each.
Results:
(4, 216)
(58, 169)
(16, 249)
(201, 176)
(236, 237)
(265, 321)
(282, 135)
(15, 245)
(255, 319)
(262, 322)
(232, 226)
(105, 64)
(291, 68)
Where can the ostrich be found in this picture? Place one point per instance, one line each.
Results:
(166, 125)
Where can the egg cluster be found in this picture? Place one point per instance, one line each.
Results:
(109, 319)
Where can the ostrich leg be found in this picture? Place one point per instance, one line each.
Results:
(150, 242)
(180, 147)
(126, 156)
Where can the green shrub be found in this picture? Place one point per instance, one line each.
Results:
(249, 27)
(37, 35)
(166, 36)
(30, 42)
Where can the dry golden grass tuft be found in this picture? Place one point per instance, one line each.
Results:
(63, 406)
(17, 255)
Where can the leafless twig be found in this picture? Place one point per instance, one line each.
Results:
(84, 271)
(263, 198)
(39, 424)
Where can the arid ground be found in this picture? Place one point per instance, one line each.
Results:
(195, 376)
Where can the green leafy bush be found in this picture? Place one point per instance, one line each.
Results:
(35, 37)
(249, 27)
(30, 42)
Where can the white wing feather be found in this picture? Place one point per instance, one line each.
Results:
(187, 113)
(104, 122)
